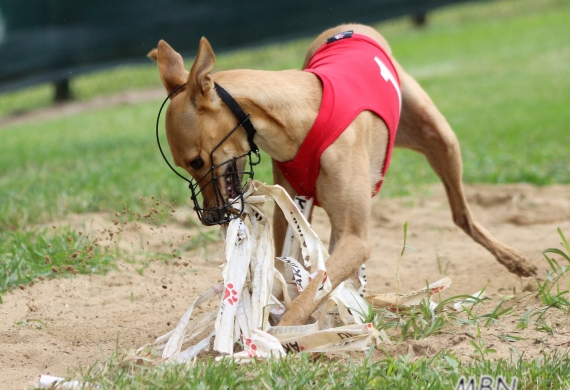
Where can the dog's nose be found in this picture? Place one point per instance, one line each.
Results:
(212, 217)
(208, 219)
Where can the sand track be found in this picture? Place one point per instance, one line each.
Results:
(66, 323)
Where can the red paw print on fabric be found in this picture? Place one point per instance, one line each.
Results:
(435, 290)
(230, 295)
(252, 351)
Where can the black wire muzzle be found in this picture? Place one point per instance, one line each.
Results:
(225, 208)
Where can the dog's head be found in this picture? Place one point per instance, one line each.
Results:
(197, 123)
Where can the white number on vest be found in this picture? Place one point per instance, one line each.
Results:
(388, 76)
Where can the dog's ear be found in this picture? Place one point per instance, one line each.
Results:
(200, 83)
(153, 55)
(170, 66)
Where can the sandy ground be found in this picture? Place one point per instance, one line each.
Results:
(62, 324)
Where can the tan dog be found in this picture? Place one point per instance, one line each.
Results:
(283, 106)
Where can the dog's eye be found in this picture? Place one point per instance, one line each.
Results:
(197, 163)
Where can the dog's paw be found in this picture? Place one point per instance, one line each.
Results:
(300, 310)
(517, 263)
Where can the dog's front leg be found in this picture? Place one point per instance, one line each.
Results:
(349, 254)
(344, 193)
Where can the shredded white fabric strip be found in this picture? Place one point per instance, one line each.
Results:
(254, 290)
(251, 283)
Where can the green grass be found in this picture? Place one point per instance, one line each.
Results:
(301, 371)
(503, 83)
(30, 256)
(91, 162)
(97, 161)
(136, 77)
(500, 73)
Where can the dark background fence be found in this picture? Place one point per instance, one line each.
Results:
(54, 40)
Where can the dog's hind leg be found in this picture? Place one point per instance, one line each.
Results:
(424, 129)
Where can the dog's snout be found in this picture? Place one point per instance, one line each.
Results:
(210, 218)
(216, 216)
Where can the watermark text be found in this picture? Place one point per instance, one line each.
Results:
(485, 382)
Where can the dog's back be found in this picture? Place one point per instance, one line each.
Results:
(356, 28)
(356, 75)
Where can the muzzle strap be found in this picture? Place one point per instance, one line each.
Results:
(241, 116)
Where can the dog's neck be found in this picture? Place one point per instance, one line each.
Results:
(283, 106)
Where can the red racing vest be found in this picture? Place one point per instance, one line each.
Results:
(357, 75)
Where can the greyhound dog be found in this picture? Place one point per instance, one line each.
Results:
(343, 170)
